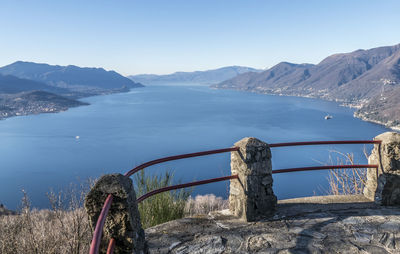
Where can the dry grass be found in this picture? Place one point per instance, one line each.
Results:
(205, 204)
(346, 181)
(63, 229)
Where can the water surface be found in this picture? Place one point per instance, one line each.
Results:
(120, 131)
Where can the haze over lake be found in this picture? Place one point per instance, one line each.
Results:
(120, 131)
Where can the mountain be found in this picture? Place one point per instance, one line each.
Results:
(21, 97)
(70, 77)
(359, 77)
(277, 77)
(340, 69)
(12, 84)
(202, 77)
(384, 109)
(31, 88)
(332, 78)
(383, 77)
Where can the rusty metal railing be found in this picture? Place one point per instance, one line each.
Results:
(95, 244)
(185, 185)
(178, 157)
(287, 170)
(342, 142)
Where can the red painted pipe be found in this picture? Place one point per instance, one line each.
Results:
(111, 246)
(94, 248)
(178, 157)
(287, 170)
(180, 186)
(345, 142)
(95, 245)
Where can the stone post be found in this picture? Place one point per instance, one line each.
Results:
(123, 220)
(251, 196)
(384, 186)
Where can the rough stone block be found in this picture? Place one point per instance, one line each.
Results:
(251, 196)
(383, 185)
(123, 220)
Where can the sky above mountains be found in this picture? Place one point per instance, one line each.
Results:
(133, 37)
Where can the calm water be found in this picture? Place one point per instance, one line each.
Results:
(120, 131)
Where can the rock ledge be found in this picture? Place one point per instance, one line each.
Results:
(329, 224)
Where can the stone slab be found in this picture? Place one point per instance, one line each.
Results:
(332, 224)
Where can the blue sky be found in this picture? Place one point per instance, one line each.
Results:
(163, 36)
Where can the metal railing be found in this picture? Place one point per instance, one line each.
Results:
(97, 234)
(95, 245)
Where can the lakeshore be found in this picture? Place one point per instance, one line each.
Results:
(120, 131)
(355, 105)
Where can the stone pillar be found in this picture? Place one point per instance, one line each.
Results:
(251, 196)
(384, 186)
(123, 220)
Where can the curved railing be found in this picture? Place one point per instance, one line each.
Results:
(95, 244)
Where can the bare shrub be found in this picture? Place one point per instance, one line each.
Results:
(203, 204)
(67, 208)
(346, 181)
(63, 229)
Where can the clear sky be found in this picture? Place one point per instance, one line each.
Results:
(165, 36)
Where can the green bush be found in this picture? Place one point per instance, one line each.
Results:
(161, 207)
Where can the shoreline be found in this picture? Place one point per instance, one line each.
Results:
(339, 102)
(364, 118)
(40, 112)
(64, 108)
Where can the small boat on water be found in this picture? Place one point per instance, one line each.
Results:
(77, 137)
(327, 117)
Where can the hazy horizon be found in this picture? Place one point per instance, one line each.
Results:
(158, 37)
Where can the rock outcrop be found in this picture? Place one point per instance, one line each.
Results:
(332, 224)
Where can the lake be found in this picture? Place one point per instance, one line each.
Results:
(120, 131)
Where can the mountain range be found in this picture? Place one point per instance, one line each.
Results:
(11, 84)
(368, 79)
(199, 77)
(31, 88)
(88, 81)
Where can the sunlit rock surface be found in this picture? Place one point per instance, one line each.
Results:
(329, 224)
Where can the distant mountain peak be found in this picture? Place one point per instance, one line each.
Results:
(204, 77)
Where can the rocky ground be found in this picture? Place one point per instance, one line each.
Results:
(330, 224)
